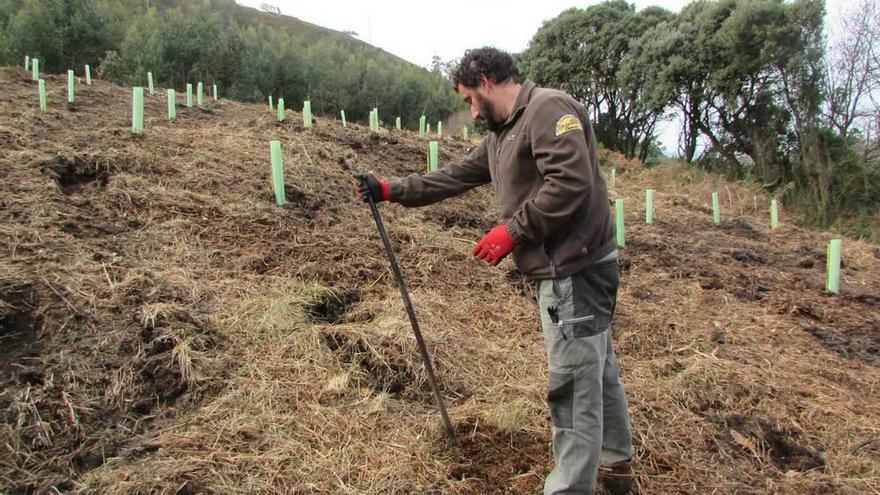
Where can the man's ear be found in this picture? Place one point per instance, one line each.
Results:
(485, 82)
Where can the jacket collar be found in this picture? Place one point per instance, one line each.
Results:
(522, 100)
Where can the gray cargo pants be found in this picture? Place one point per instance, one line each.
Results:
(591, 424)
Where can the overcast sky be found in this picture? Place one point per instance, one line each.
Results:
(418, 30)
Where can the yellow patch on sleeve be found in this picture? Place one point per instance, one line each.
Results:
(566, 123)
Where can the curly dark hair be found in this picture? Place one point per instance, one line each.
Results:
(498, 66)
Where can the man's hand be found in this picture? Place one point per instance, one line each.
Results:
(367, 183)
(495, 245)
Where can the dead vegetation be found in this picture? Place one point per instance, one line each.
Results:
(166, 329)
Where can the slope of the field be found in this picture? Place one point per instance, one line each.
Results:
(166, 328)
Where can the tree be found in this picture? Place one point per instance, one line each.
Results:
(32, 30)
(853, 69)
(583, 52)
(141, 51)
(445, 69)
(62, 33)
(744, 74)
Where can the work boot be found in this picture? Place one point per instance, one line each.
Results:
(617, 478)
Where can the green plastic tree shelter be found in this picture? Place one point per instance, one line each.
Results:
(42, 93)
(172, 104)
(35, 69)
(618, 218)
(440, 129)
(422, 125)
(613, 178)
(271, 103)
(70, 80)
(832, 263)
(215, 92)
(137, 110)
(464, 132)
(344, 122)
(88, 75)
(277, 171)
(716, 209)
(397, 123)
(307, 113)
(189, 95)
(281, 112)
(433, 156)
(649, 206)
(200, 94)
(150, 83)
(27, 62)
(774, 214)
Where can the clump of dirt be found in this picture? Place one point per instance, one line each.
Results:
(860, 342)
(384, 368)
(19, 332)
(307, 204)
(173, 339)
(747, 256)
(459, 218)
(760, 437)
(193, 488)
(489, 461)
(870, 300)
(711, 281)
(75, 175)
(741, 228)
(690, 205)
(749, 289)
(332, 305)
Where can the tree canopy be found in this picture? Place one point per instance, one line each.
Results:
(751, 79)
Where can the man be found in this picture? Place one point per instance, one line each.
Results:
(540, 156)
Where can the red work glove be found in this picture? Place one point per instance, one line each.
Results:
(495, 245)
(379, 189)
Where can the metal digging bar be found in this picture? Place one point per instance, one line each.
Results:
(423, 350)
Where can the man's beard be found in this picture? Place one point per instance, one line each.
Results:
(487, 114)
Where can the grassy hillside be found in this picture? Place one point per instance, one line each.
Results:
(167, 329)
(306, 31)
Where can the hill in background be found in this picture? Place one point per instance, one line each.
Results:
(249, 54)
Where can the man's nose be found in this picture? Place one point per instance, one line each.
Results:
(475, 113)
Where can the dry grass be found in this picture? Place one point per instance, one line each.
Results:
(175, 332)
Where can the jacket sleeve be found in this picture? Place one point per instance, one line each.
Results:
(564, 159)
(449, 181)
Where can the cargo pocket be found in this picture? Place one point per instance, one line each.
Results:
(560, 398)
(582, 326)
